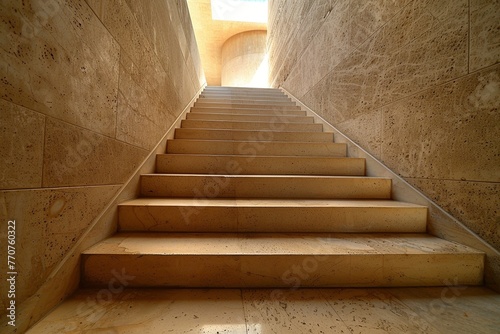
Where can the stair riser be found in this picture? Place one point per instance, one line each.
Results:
(179, 146)
(271, 219)
(272, 126)
(245, 100)
(259, 165)
(244, 91)
(272, 106)
(248, 101)
(195, 186)
(253, 135)
(264, 112)
(285, 271)
(247, 117)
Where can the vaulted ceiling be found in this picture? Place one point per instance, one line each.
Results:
(211, 35)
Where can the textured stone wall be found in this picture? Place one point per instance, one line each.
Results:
(415, 82)
(87, 89)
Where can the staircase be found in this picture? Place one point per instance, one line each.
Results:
(252, 193)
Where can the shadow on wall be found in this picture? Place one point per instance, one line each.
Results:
(245, 61)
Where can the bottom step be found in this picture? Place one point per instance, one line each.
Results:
(281, 260)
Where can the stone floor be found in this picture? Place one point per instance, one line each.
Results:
(451, 309)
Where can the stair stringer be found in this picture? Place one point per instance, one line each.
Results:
(439, 223)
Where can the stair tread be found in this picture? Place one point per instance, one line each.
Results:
(260, 135)
(276, 244)
(256, 141)
(269, 202)
(285, 158)
(196, 109)
(269, 176)
(252, 131)
(241, 116)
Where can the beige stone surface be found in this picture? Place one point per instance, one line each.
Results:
(21, 146)
(258, 135)
(255, 148)
(144, 102)
(270, 215)
(475, 203)
(267, 260)
(249, 116)
(484, 36)
(48, 223)
(52, 56)
(233, 164)
(265, 186)
(88, 89)
(256, 126)
(440, 133)
(414, 83)
(75, 157)
(433, 310)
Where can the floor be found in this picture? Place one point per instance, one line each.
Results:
(450, 309)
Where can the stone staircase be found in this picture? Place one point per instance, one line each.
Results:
(252, 193)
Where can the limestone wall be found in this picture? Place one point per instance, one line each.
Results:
(88, 88)
(415, 82)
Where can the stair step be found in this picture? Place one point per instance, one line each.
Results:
(261, 135)
(264, 186)
(246, 100)
(242, 90)
(251, 165)
(270, 215)
(278, 126)
(249, 117)
(272, 148)
(248, 111)
(273, 106)
(232, 97)
(280, 260)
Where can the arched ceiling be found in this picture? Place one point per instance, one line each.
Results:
(211, 35)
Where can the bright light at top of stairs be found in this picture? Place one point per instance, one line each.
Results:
(240, 10)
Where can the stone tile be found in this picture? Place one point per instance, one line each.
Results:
(375, 311)
(475, 204)
(366, 17)
(167, 41)
(406, 310)
(310, 17)
(379, 72)
(452, 308)
(21, 146)
(140, 108)
(484, 34)
(292, 311)
(48, 223)
(413, 21)
(366, 130)
(439, 133)
(331, 45)
(75, 156)
(55, 55)
(148, 311)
